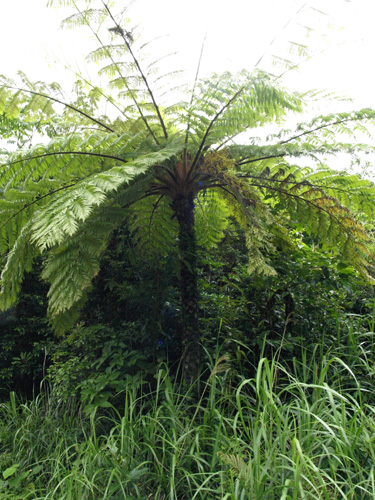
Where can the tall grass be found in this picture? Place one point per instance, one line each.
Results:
(298, 430)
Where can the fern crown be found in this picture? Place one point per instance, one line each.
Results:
(65, 197)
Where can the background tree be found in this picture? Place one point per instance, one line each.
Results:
(176, 172)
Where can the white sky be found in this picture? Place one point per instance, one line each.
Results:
(239, 31)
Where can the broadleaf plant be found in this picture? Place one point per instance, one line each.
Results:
(175, 172)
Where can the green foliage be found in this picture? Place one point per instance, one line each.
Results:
(156, 230)
(311, 293)
(26, 339)
(65, 198)
(95, 362)
(58, 223)
(299, 430)
(285, 406)
(224, 106)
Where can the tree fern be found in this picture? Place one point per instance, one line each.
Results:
(174, 172)
(156, 230)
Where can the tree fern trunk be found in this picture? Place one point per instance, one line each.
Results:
(183, 207)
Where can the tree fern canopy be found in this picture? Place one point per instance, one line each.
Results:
(148, 159)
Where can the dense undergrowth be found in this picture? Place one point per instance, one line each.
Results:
(284, 408)
(284, 404)
(297, 429)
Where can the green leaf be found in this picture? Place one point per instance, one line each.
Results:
(10, 471)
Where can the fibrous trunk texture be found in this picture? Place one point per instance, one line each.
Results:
(183, 208)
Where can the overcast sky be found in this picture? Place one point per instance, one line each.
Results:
(238, 33)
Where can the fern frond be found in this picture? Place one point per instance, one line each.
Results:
(63, 215)
(11, 98)
(83, 18)
(257, 102)
(71, 266)
(333, 124)
(317, 210)
(19, 260)
(155, 231)
(107, 52)
(58, 192)
(211, 218)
